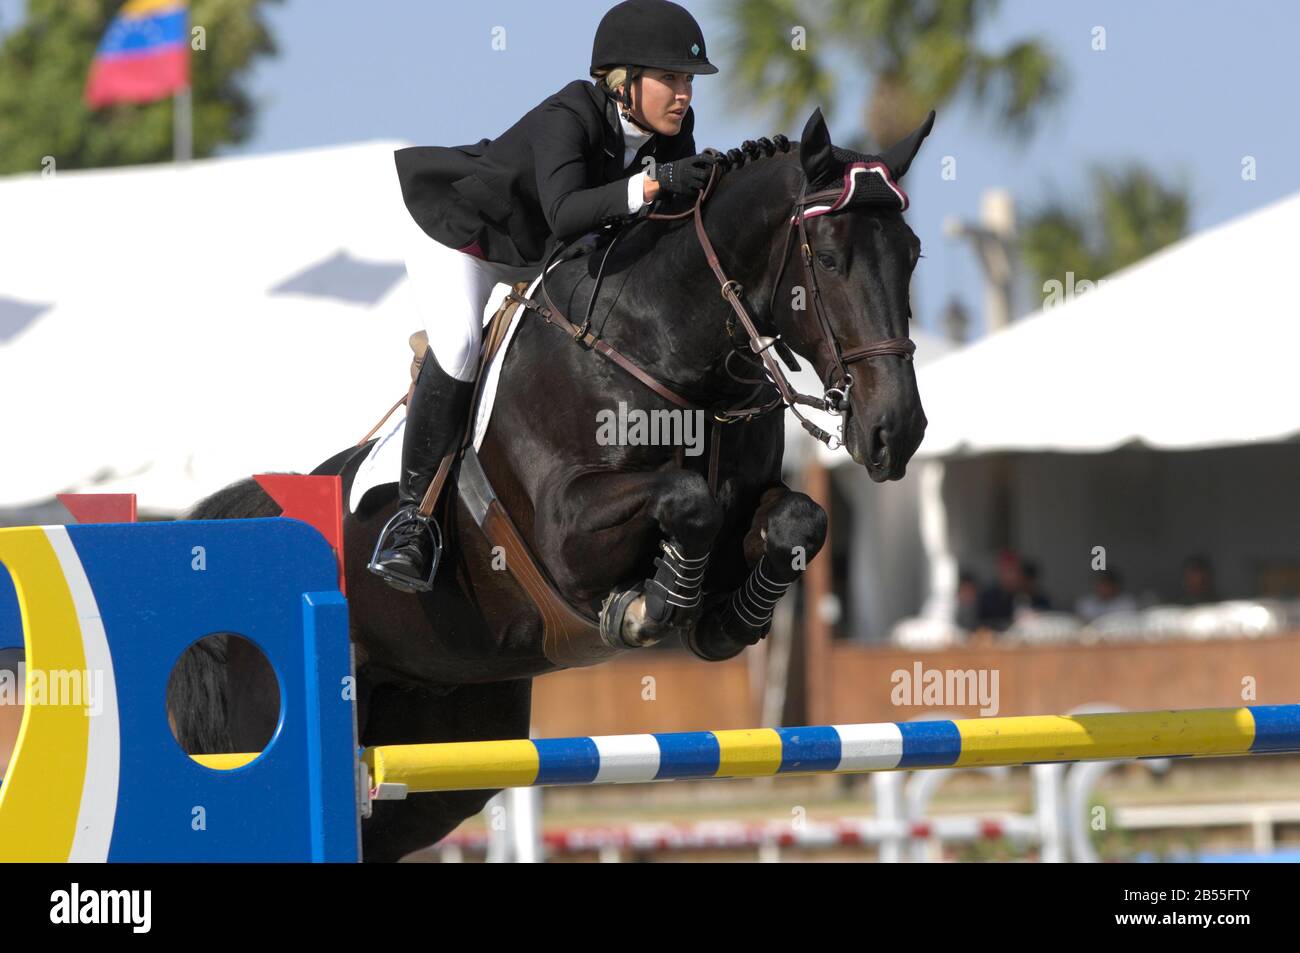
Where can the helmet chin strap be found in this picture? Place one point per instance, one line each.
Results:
(626, 100)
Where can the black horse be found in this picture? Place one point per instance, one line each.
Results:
(456, 664)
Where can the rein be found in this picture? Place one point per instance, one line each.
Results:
(840, 381)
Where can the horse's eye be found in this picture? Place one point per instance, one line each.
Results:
(827, 260)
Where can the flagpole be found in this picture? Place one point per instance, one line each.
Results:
(182, 126)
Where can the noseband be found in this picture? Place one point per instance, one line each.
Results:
(859, 187)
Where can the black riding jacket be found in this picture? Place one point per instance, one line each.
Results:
(555, 174)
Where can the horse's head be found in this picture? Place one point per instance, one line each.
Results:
(859, 262)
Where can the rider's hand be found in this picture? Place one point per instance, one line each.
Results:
(685, 176)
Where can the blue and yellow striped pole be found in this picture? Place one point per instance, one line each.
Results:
(839, 749)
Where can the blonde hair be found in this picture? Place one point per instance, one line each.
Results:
(615, 77)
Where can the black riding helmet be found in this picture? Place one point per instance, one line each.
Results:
(654, 33)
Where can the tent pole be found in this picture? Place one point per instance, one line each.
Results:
(182, 125)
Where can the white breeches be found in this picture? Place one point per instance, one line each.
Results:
(451, 292)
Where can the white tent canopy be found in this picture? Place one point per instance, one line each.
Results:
(166, 330)
(1194, 347)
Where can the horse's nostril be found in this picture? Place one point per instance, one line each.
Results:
(878, 446)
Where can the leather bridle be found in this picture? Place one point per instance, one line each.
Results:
(835, 398)
(839, 381)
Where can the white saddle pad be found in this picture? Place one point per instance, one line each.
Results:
(384, 462)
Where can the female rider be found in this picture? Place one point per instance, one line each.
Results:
(493, 211)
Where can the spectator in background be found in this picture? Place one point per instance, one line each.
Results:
(1030, 596)
(997, 602)
(1198, 582)
(968, 601)
(1107, 596)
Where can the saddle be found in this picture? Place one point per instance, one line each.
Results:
(570, 639)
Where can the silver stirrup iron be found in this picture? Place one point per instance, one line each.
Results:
(435, 539)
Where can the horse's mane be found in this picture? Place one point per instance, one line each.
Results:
(732, 160)
(751, 150)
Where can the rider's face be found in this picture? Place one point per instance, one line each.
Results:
(660, 99)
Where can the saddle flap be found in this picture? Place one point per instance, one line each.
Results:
(569, 639)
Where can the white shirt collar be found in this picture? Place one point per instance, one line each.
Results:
(633, 139)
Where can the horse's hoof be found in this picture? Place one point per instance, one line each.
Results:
(623, 622)
(719, 635)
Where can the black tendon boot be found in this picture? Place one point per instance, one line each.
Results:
(753, 603)
(744, 620)
(406, 556)
(677, 583)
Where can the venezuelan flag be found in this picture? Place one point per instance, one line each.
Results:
(143, 55)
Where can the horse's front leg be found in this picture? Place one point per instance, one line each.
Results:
(787, 531)
(605, 524)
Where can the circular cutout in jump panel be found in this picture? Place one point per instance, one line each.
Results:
(223, 701)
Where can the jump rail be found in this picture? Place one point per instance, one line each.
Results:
(396, 770)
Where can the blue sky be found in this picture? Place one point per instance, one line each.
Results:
(1187, 87)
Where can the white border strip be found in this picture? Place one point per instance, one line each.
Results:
(95, 818)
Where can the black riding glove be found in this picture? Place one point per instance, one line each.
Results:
(685, 176)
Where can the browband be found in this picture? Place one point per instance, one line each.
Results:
(865, 183)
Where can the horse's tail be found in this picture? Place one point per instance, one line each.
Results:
(198, 691)
(198, 694)
(241, 500)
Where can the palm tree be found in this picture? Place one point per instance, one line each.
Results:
(1131, 214)
(919, 55)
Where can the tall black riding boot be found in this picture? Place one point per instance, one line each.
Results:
(406, 556)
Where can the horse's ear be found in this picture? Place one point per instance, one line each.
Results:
(815, 150)
(898, 158)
